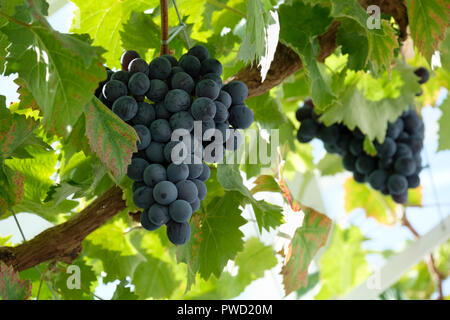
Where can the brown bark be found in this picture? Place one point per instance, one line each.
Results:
(63, 242)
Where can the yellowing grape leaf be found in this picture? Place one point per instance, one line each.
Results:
(376, 205)
(11, 287)
(265, 183)
(307, 240)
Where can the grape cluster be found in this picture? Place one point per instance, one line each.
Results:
(397, 164)
(159, 98)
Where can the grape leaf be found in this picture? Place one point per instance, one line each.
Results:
(123, 292)
(309, 22)
(46, 59)
(428, 20)
(353, 39)
(354, 109)
(11, 287)
(382, 46)
(103, 21)
(266, 183)
(376, 205)
(307, 240)
(444, 128)
(110, 138)
(11, 188)
(267, 215)
(343, 265)
(140, 33)
(330, 165)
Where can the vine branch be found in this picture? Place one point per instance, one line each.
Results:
(164, 26)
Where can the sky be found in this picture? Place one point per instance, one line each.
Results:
(435, 183)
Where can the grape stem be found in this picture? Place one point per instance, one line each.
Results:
(164, 27)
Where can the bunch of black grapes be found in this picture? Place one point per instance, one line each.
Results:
(157, 98)
(397, 164)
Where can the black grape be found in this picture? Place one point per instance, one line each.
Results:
(195, 170)
(160, 68)
(206, 173)
(138, 65)
(201, 188)
(125, 107)
(182, 81)
(203, 109)
(173, 61)
(154, 152)
(387, 149)
(200, 52)
(136, 169)
(154, 174)
(214, 77)
(187, 190)
(304, 113)
(308, 130)
(177, 100)
(143, 197)
(177, 173)
(225, 98)
(356, 146)
(403, 150)
(208, 124)
(145, 114)
(405, 166)
(241, 117)
(180, 211)
(168, 150)
(207, 88)
(359, 177)
(223, 127)
(395, 129)
(416, 145)
(349, 162)
(237, 90)
(122, 76)
(161, 111)
(211, 66)
(137, 185)
(378, 179)
(182, 120)
(160, 130)
(144, 136)
(365, 164)
(178, 233)
(139, 84)
(127, 57)
(191, 65)
(195, 205)
(165, 192)
(400, 198)
(222, 113)
(176, 69)
(413, 181)
(397, 184)
(158, 90)
(358, 134)
(412, 122)
(158, 214)
(329, 135)
(146, 223)
(386, 163)
(423, 74)
(114, 89)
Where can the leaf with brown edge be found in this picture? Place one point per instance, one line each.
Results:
(265, 183)
(109, 137)
(11, 287)
(375, 204)
(11, 188)
(307, 240)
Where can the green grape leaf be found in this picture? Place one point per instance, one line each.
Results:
(382, 47)
(353, 39)
(11, 188)
(330, 165)
(67, 285)
(307, 240)
(123, 292)
(267, 215)
(266, 183)
(428, 20)
(45, 59)
(103, 22)
(110, 138)
(353, 10)
(11, 286)
(371, 116)
(444, 128)
(343, 265)
(375, 204)
(309, 22)
(140, 33)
